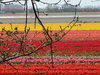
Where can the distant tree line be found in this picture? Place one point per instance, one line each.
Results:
(65, 8)
(15, 8)
(11, 8)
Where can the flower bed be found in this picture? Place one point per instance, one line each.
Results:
(46, 69)
(62, 65)
(75, 48)
(58, 59)
(72, 35)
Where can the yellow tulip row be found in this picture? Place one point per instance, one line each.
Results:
(52, 26)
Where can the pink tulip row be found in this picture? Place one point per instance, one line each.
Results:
(78, 34)
(57, 59)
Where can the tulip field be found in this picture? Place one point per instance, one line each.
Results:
(45, 69)
(78, 53)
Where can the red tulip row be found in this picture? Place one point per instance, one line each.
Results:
(64, 45)
(61, 48)
(46, 69)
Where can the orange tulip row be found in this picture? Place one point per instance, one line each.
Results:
(46, 69)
